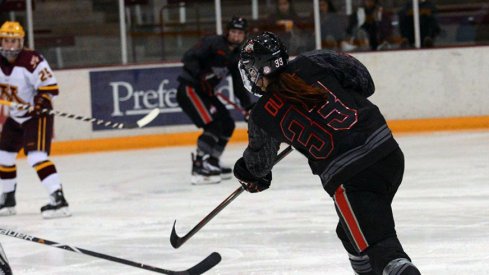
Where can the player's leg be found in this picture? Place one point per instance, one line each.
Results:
(364, 207)
(227, 126)
(38, 133)
(10, 144)
(360, 262)
(4, 265)
(199, 109)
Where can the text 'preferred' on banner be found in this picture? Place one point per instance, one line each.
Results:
(128, 95)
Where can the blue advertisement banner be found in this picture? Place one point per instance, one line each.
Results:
(128, 95)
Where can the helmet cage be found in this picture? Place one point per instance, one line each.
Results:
(11, 30)
(250, 76)
(10, 53)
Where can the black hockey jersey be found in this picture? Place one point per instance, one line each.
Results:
(209, 61)
(340, 136)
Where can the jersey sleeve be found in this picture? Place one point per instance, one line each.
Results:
(192, 59)
(261, 152)
(43, 79)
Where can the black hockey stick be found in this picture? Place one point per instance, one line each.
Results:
(177, 241)
(111, 124)
(209, 262)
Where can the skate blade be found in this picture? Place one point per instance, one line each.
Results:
(7, 211)
(201, 180)
(58, 213)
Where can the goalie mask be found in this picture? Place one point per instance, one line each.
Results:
(261, 56)
(12, 39)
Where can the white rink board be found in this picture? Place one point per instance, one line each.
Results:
(124, 204)
(410, 84)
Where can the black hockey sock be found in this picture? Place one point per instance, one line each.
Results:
(361, 264)
(219, 148)
(206, 143)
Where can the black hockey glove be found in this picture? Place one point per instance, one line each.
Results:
(250, 183)
(42, 101)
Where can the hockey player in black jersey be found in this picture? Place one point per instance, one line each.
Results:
(212, 59)
(318, 104)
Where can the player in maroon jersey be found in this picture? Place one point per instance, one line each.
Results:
(26, 78)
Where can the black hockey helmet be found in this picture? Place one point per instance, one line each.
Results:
(239, 23)
(263, 55)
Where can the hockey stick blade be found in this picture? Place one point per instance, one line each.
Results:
(212, 260)
(148, 118)
(143, 121)
(177, 241)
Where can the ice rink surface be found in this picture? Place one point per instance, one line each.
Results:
(124, 204)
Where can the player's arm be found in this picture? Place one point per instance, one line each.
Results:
(46, 87)
(354, 76)
(254, 169)
(193, 58)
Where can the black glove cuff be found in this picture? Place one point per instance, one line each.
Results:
(250, 182)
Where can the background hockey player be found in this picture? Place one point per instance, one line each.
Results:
(318, 104)
(204, 66)
(26, 78)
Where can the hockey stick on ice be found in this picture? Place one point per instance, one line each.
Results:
(209, 262)
(140, 123)
(177, 241)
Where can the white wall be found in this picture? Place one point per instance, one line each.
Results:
(409, 84)
(430, 83)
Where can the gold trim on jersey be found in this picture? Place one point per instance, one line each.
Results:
(41, 133)
(48, 88)
(52, 89)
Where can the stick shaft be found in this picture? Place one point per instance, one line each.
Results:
(178, 241)
(97, 121)
(11, 233)
(229, 101)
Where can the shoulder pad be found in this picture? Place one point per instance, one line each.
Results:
(28, 59)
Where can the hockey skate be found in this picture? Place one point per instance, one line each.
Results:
(57, 207)
(7, 204)
(226, 172)
(203, 172)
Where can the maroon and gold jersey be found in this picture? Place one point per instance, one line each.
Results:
(20, 81)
